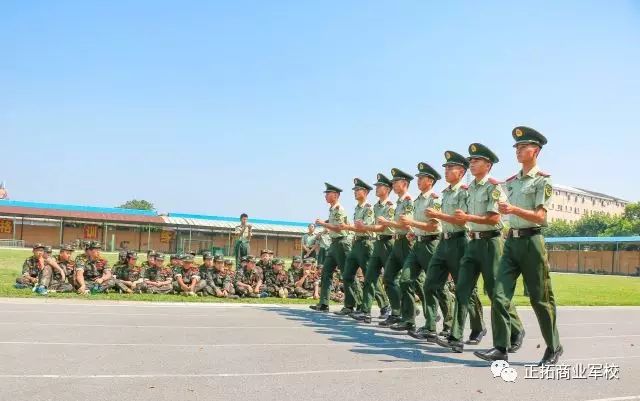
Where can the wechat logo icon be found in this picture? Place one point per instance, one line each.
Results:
(502, 369)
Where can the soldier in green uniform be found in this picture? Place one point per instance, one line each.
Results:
(151, 254)
(157, 279)
(340, 244)
(400, 249)
(427, 236)
(361, 249)
(51, 276)
(449, 252)
(31, 268)
(243, 234)
(372, 286)
(219, 283)
(528, 193)
(175, 263)
(93, 274)
(483, 252)
(67, 264)
(323, 242)
(265, 262)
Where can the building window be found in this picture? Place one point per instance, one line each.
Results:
(577, 210)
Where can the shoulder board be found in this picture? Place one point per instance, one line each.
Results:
(434, 195)
(493, 181)
(543, 174)
(389, 203)
(513, 177)
(464, 186)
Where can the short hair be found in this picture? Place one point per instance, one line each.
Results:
(244, 215)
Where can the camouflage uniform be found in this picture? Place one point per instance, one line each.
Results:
(30, 272)
(94, 269)
(277, 284)
(51, 278)
(158, 275)
(187, 276)
(129, 273)
(250, 277)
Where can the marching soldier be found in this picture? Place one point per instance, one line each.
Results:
(528, 193)
(483, 252)
(449, 252)
(340, 245)
(427, 236)
(361, 249)
(399, 251)
(372, 286)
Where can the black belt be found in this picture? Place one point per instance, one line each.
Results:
(399, 236)
(337, 239)
(384, 237)
(457, 234)
(427, 238)
(484, 234)
(524, 232)
(362, 238)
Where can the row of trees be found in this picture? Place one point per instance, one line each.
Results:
(599, 225)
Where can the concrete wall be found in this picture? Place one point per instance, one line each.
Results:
(621, 262)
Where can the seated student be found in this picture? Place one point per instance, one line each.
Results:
(157, 279)
(337, 288)
(56, 271)
(305, 280)
(277, 282)
(93, 274)
(129, 276)
(175, 263)
(265, 263)
(219, 282)
(31, 268)
(151, 259)
(187, 282)
(249, 283)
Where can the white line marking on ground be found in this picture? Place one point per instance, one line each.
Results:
(631, 397)
(345, 344)
(140, 326)
(288, 373)
(94, 313)
(134, 304)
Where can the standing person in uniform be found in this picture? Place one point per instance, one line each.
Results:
(340, 245)
(484, 250)
(243, 238)
(361, 249)
(372, 286)
(446, 259)
(400, 249)
(323, 242)
(528, 193)
(308, 242)
(427, 236)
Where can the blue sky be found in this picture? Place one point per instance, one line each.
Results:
(226, 107)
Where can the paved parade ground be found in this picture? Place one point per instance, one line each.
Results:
(101, 350)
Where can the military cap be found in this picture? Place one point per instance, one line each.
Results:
(48, 249)
(132, 254)
(425, 170)
(528, 135)
(243, 259)
(308, 261)
(227, 262)
(270, 252)
(250, 259)
(263, 251)
(455, 159)
(160, 256)
(38, 246)
(297, 259)
(187, 258)
(66, 247)
(383, 180)
(400, 175)
(95, 245)
(359, 184)
(479, 151)
(207, 255)
(150, 252)
(122, 254)
(331, 188)
(174, 257)
(278, 261)
(218, 258)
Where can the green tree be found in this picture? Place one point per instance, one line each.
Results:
(560, 228)
(594, 225)
(138, 204)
